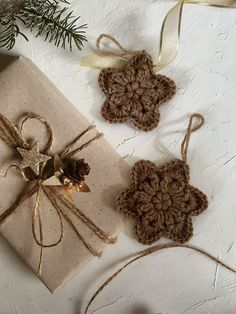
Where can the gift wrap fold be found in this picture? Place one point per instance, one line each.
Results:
(24, 88)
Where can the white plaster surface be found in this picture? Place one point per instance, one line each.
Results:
(170, 282)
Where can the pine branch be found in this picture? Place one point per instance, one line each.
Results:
(56, 24)
(9, 29)
(9, 32)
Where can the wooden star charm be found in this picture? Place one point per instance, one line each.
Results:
(32, 158)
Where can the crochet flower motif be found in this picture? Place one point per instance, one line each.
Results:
(134, 92)
(162, 201)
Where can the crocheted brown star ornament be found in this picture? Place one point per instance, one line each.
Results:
(161, 199)
(134, 92)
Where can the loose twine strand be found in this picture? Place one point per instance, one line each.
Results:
(70, 149)
(4, 175)
(189, 131)
(60, 202)
(110, 53)
(40, 242)
(150, 251)
(105, 237)
(10, 133)
(56, 201)
(36, 210)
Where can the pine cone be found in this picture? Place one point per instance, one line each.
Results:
(75, 170)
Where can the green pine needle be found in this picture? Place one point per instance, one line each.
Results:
(54, 23)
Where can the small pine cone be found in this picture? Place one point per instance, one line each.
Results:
(76, 170)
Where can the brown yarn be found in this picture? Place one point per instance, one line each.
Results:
(161, 199)
(152, 250)
(122, 51)
(134, 92)
(185, 143)
(33, 116)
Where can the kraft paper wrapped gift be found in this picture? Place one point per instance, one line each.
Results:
(23, 88)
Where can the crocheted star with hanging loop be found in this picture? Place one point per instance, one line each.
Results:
(161, 199)
(133, 91)
(32, 158)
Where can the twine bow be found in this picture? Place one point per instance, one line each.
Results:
(39, 185)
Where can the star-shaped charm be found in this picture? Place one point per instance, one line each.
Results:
(162, 201)
(32, 158)
(134, 93)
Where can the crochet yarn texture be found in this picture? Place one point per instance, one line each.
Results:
(161, 199)
(134, 92)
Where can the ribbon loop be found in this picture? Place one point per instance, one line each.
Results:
(33, 116)
(37, 212)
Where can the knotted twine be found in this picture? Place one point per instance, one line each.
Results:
(14, 137)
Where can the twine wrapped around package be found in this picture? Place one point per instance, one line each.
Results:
(46, 181)
(24, 88)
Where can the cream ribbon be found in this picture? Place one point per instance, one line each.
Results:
(169, 37)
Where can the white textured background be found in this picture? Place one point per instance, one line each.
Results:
(171, 282)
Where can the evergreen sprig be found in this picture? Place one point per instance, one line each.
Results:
(48, 18)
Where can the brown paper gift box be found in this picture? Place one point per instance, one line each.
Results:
(23, 88)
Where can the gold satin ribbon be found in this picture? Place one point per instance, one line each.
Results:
(169, 37)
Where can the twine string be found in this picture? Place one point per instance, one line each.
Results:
(189, 131)
(150, 251)
(122, 52)
(27, 192)
(58, 200)
(22, 173)
(55, 199)
(33, 116)
(35, 211)
(85, 145)
(67, 150)
(106, 238)
(70, 150)
(10, 133)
